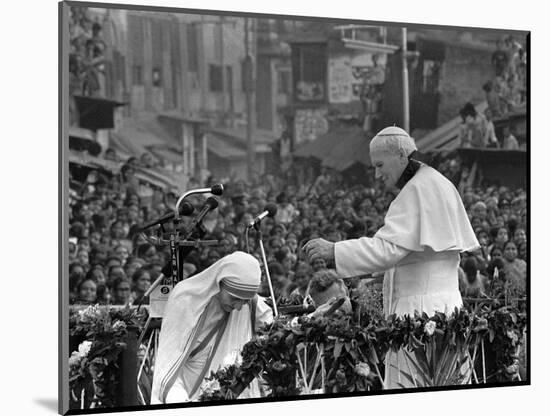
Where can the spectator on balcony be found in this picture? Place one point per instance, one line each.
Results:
(473, 129)
(509, 141)
(499, 59)
(493, 100)
(490, 136)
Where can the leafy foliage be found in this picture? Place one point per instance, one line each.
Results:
(354, 347)
(93, 369)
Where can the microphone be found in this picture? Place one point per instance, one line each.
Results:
(216, 189)
(269, 211)
(186, 209)
(211, 204)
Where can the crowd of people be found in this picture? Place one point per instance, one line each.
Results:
(112, 263)
(505, 93)
(86, 57)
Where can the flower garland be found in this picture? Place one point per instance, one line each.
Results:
(93, 369)
(353, 349)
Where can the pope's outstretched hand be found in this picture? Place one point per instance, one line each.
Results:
(319, 248)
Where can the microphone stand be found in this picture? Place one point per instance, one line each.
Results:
(257, 227)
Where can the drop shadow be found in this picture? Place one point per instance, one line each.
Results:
(50, 404)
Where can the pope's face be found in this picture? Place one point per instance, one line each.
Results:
(388, 167)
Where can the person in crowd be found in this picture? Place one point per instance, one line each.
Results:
(509, 141)
(121, 291)
(473, 130)
(302, 280)
(472, 283)
(87, 292)
(327, 287)
(495, 252)
(515, 268)
(207, 320)
(425, 229)
(141, 281)
(97, 274)
(500, 237)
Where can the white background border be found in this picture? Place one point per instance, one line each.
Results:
(30, 204)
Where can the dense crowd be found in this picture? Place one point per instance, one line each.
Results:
(112, 263)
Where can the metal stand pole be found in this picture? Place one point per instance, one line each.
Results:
(267, 273)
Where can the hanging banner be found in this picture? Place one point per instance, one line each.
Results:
(309, 124)
(340, 79)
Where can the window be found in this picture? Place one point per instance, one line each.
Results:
(216, 78)
(229, 78)
(157, 77)
(283, 82)
(309, 66)
(430, 76)
(246, 74)
(137, 75)
(192, 48)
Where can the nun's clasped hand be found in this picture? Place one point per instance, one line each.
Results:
(319, 248)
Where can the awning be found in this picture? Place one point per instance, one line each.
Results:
(93, 162)
(169, 155)
(96, 113)
(157, 177)
(223, 148)
(83, 140)
(338, 149)
(139, 133)
(263, 139)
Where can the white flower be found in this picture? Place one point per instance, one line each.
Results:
(429, 328)
(90, 312)
(74, 359)
(118, 325)
(362, 369)
(512, 335)
(210, 386)
(294, 322)
(84, 348)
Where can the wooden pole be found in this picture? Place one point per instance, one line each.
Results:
(248, 95)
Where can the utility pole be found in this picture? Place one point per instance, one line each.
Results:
(248, 94)
(222, 64)
(405, 79)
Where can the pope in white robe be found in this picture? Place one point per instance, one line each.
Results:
(418, 247)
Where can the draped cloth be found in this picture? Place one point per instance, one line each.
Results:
(188, 312)
(425, 229)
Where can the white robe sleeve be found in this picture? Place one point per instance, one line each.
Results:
(366, 255)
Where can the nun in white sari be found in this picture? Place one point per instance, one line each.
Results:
(425, 229)
(207, 320)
